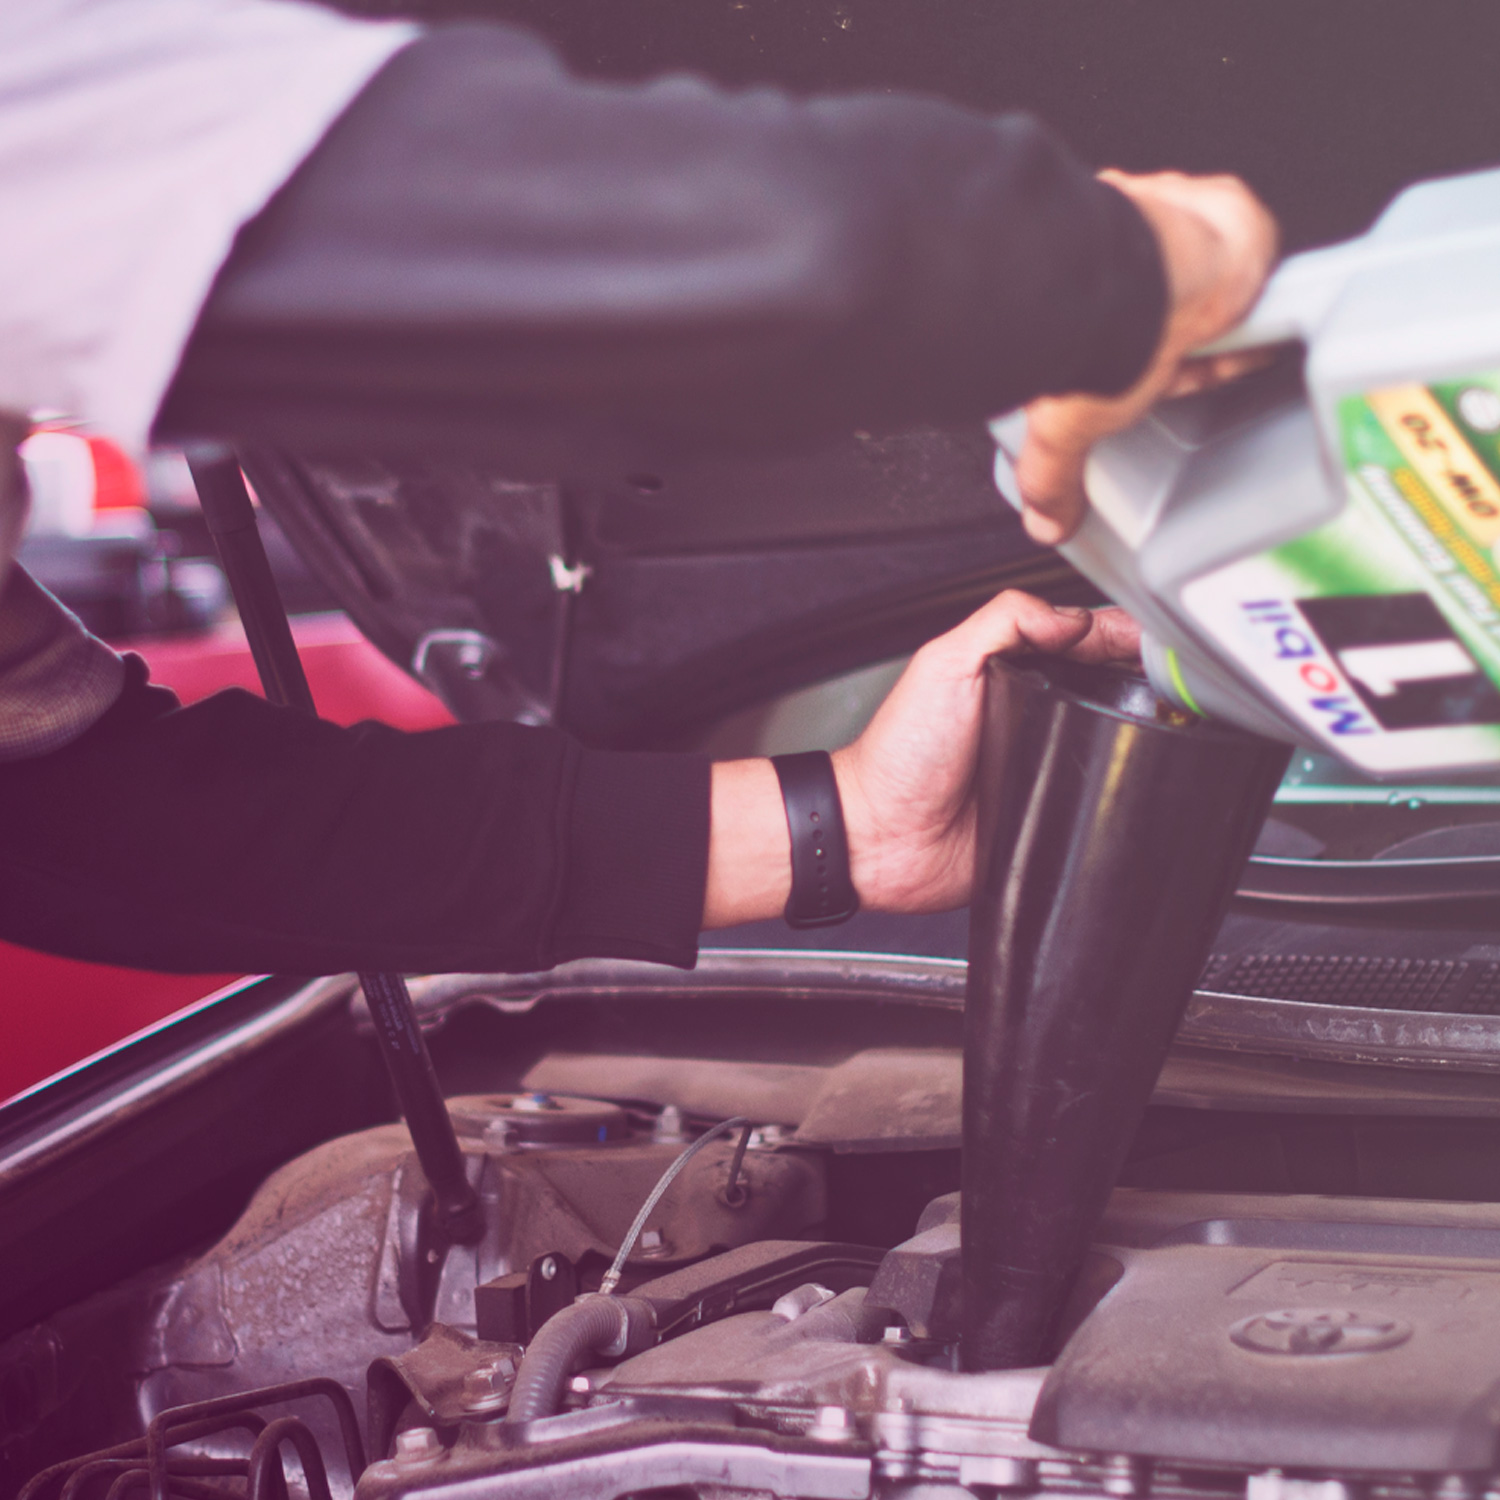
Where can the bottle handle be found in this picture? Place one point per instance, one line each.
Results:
(1294, 303)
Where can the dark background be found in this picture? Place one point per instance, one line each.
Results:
(1326, 106)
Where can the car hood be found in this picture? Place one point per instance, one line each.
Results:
(640, 609)
(636, 608)
(635, 612)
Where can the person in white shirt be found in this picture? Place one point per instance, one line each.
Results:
(261, 221)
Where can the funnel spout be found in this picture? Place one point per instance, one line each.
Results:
(1112, 829)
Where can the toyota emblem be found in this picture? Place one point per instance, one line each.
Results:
(1319, 1330)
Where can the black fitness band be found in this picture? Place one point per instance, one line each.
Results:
(822, 892)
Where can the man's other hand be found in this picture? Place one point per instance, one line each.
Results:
(1218, 244)
(908, 782)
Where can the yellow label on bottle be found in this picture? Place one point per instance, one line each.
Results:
(1442, 459)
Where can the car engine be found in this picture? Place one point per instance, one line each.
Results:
(787, 1309)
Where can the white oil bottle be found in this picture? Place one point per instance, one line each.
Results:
(1314, 552)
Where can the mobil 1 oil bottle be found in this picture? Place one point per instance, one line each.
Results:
(1314, 552)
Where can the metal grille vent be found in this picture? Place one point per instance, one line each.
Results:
(1453, 986)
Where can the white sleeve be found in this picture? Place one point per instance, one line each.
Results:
(136, 137)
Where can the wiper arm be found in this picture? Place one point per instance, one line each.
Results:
(1383, 883)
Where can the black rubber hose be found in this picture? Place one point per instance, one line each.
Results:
(561, 1345)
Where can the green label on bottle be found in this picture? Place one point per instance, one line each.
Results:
(1379, 632)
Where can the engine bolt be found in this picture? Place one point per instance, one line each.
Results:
(791, 1305)
(534, 1104)
(417, 1445)
(832, 1424)
(487, 1388)
(1124, 1476)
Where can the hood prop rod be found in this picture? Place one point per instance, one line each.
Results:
(230, 515)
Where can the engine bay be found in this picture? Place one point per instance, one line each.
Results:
(220, 1276)
(787, 1315)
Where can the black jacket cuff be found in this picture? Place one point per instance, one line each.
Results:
(636, 858)
(1129, 298)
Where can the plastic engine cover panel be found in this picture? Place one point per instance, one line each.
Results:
(1289, 1353)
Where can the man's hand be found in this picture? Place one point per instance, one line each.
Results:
(1218, 244)
(907, 783)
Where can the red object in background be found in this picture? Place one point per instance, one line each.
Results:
(59, 1010)
(117, 482)
(350, 679)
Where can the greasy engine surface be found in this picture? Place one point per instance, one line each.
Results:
(1271, 1303)
(1214, 1340)
(332, 1266)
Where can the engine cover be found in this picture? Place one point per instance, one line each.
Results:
(1350, 1335)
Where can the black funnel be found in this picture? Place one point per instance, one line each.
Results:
(1112, 829)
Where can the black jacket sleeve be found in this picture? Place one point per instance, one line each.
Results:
(236, 835)
(486, 251)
